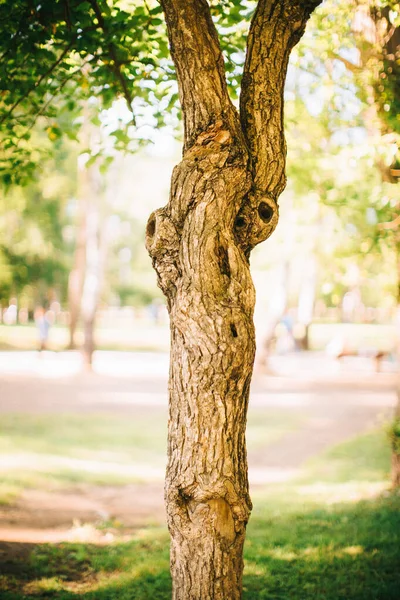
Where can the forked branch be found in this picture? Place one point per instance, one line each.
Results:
(276, 27)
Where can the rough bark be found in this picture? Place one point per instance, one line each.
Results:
(222, 203)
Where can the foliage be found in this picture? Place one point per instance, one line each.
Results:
(339, 150)
(393, 431)
(386, 15)
(68, 49)
(32, 220)
(57, 55)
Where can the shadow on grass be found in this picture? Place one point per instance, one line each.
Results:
(344, 551)
(294, 551)
(138, 570)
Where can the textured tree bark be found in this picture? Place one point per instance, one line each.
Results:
(223, 202)
(211, 307)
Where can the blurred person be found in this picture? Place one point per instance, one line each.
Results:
(11, 313)
(43, 326)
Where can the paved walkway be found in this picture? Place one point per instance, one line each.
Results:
(335, 400)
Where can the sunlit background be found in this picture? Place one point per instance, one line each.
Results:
(84, 338)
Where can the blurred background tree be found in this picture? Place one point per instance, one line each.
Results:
(83, 81)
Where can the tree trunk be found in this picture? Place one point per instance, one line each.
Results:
(305, 309)
(395, 469)
(95, 257)
(211, 307)
(271, 317)
(223, 202)
(396, 444)
(77, 275)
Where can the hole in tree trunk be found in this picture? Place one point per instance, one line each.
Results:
(234, 330)
(184, 497)
(265, 211)
(240, 223)
(235, 374)
(151, 227)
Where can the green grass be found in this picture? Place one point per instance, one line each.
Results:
(138, 336)
(294, 550)
(60, 450)
(138, 569)
(96, 436)
(307, 550)
(144, 335)
(364, 458)
(332, 535)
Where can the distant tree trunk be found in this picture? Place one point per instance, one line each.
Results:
(223, 202)
(305, 310)
(396, 446)
(273, 316)
(77, 275)
(95, 258)
(84, 190)
(86, 278)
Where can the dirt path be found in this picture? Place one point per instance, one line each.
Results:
(335, 403)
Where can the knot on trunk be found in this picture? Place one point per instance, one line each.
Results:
(162, 243)
(217, 132)
(215, 505)
(256, 220)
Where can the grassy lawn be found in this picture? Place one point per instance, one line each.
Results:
(333, 534)
(365, 458)
(140, 336)
(358, 336)
(52, 451)
(147, 336)
(48, 451)
(301, 550)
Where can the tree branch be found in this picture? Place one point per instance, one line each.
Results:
(37, 83)
(353, 68)
(390, 225)
(116, 69)
(52, 96)
(197, 55)
(276, 27)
